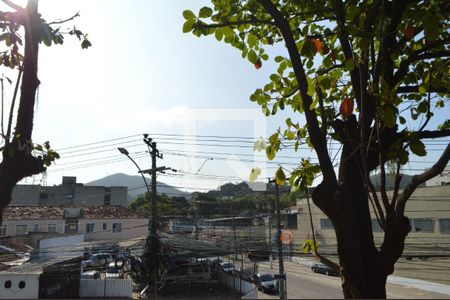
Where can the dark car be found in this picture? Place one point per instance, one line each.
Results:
(265, 282)
(324, 269)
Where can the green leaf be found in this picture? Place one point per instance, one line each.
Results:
(314, 103)
(251, 56)
(349, 64)
(431, 27)
(279, 58)
(187, 26)
(274, 77)
(280, 177)
(270, 152)
(219, 34)
(85, 44)
(418, 148)
(255, 172)
(205, 12)
(188, 15)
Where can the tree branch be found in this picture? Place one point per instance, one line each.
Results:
(242, 22)
(317, 138)
(435, 170)
(66, 20)
(346, 47)
(415, 89)
(417, 55)
(13, 5)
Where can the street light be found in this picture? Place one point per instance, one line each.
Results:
(125, 152)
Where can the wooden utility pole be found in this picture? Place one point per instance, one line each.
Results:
(154, 238)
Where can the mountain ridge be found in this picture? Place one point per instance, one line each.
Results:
(136, 185)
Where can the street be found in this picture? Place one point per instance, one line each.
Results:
(302, 283)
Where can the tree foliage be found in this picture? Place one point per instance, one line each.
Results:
(22, 30)
(366, 75)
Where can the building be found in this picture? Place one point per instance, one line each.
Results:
(96, 223)
(441, 179)
(70, 194)
(428, 210)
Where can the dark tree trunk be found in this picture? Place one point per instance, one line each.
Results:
(363, 269)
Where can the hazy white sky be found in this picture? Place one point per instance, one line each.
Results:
(142, 74)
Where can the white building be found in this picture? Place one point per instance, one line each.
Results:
(112, 223)
(441, 179)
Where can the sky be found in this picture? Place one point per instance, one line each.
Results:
(143, 75)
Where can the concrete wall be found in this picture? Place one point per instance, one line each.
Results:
(131, 228)
(43, 225)
(25, 195)
(30, 291)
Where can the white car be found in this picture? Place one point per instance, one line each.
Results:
(113, 272)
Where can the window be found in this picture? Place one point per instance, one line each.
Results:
(3, 230)
(21, 229)
(36, 227)
(22, 285)
(117, 227)
(90, 227)
(107, 198)
(376, 226)
(105, 226)
(326, 224)
(422, 225)
(51, 228)
(444, 225)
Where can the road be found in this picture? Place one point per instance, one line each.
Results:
(302, 283)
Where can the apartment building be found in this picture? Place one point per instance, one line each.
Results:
(428, 210)
(69, 193)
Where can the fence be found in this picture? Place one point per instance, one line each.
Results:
(236, 283)
(122, 288)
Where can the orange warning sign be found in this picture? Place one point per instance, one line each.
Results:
(286, 237)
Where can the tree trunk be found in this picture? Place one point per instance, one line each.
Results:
(363, 272)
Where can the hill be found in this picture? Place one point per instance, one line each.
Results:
(136, 185)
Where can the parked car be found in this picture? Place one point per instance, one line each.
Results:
(112, 271)
(90, 275)
(226, 266)
(324, 269)
(265, 282)
(97, 260)
(190, 272)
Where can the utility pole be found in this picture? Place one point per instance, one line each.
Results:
(282, 275)
(154, 238)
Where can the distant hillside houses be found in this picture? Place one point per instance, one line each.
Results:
(69, 194)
